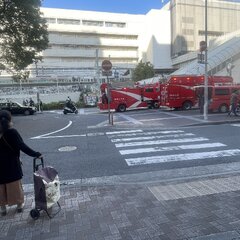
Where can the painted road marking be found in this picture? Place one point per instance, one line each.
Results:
(130, 119)
(47, 134)
(67, 149)
(127, 131)
(182, 140)
(61, 136)
(182, 157)
(151, 137)
(145, 133)
(172, 148)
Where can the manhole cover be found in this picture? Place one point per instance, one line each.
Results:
(67, 148)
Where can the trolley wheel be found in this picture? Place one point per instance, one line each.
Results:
(35, 214)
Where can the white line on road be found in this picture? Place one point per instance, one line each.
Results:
(181, 140)
(151, 137)
(119, 132)
(130, 119)
(172, 148)
(47, 134)
(63, 136)
(146, 133)
(182, 157)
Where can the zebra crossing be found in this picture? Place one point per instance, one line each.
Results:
(139, 147)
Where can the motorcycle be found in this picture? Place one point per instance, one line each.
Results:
(70, 108)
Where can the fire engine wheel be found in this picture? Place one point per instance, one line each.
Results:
(238, 110)
(223, 108)
(156, 105)
(187, 105)
(121, 108)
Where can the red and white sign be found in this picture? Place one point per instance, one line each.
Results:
(106, 65)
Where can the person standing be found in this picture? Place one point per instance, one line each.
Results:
(11, 143)
(233, 103)
(40, 105)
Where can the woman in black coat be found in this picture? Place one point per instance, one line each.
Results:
(11, 143)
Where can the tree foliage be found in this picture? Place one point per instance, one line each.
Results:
(23, 33)
(143, 71)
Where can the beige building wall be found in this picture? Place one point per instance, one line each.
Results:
(188, 22)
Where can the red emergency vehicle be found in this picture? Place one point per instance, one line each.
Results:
(219, 96)
(121, 99)
(179, 91)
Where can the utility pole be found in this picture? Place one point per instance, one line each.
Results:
(205, 110)
(97, 67)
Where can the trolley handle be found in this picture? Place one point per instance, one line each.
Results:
(37, 165)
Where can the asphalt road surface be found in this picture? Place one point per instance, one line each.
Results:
(141, 145)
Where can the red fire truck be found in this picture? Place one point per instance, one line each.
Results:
(121, 99)
(179, 91)
(219, 96)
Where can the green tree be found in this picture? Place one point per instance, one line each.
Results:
(143, 71)
(23, 33)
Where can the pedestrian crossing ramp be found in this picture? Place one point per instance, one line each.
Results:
(139, 147)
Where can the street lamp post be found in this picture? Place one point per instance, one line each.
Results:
(205, 110)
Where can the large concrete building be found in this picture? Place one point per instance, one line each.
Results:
(80, 40)
(168, 38)
(188, 22)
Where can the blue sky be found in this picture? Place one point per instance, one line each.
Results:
(116, 6)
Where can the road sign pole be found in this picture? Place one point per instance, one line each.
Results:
(205, 109)
(108, 96)
(107, 66)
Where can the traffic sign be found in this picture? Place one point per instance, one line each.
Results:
(106, 65)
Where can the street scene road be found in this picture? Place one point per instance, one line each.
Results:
(144, 145)
(176, 177)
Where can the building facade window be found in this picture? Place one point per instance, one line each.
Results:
(92, 23)
(115, 24)
(186, 31)
(68, 21)
(188, 19)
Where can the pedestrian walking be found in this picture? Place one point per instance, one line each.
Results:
(233, 102)
(40, 106)
(11, 143)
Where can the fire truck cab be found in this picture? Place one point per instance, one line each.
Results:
(179, 91)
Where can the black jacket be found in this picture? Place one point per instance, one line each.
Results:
(10, 166)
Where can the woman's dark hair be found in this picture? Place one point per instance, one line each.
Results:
(5, 120)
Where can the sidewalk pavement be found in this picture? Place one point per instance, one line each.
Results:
(194, 209)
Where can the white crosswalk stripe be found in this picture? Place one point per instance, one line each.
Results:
(157, 142)
(144, 147)
(182, 157)
(172, 148)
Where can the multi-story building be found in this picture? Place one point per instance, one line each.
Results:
(80, 40)
(188, 22)
(168, 38)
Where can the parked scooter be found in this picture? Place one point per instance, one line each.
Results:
(70, 108)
